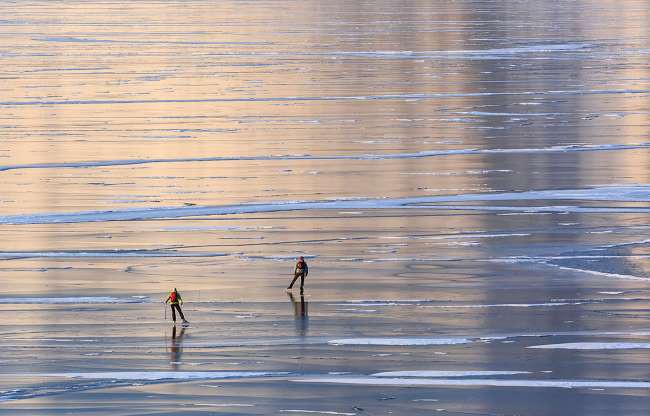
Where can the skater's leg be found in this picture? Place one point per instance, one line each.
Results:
(173, 313)
(295, 277)
(302, 282)
(180, 312)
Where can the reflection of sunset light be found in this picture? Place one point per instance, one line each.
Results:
(193, 118)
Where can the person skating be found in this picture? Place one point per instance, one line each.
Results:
(174, 299)
(301, 270)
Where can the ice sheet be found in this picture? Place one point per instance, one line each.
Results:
(436, 160)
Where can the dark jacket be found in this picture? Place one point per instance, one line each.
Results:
(301, 267)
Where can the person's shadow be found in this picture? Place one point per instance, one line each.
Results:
(300, 314)
(176, 347)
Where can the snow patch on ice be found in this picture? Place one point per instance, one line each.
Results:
(73, 300)
(597, 273)
(437, 373)
(426, 303)
(594, 346)
(382, 302)
(320, 412)
(472, 235)
(279, 257)
(398, 341)
(491, 53)
(102, 253)
(164, 375)
(369, 304)
(441, 382)
(289, 99)
(224, 404)
(639, 193)
(504, 305)
(386, 156)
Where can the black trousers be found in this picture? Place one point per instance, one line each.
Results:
(302, 280)
(176, 306)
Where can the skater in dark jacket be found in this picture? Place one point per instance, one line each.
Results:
(174, 299)
(301, 270)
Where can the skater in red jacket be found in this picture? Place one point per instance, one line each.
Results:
(175, 301)
(301, 270)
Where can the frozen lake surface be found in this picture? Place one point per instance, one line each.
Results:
(469, 182)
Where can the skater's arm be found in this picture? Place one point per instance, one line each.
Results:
(306, 269)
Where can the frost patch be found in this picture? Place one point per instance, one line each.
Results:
(399, 341)
(594, 346)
